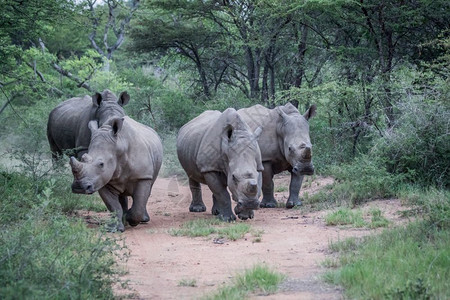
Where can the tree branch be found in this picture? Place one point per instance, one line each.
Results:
(81, 83)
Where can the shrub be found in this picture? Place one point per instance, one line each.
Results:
(53, 257)
(416, 256)
(419, 144)
(363, 179)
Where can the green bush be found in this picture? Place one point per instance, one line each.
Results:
(45, 254)
(419, 145)
(48, 256)
(417, 257)
(363, 179)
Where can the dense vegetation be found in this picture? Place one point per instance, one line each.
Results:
(377, 70)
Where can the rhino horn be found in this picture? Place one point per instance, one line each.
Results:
(252, 187)
(93, 126)
(257, 132)
(76, 165)
(307, 153)
(86, 158)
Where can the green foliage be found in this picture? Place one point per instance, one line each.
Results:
(363, 179)
(432, 204)
(419, 146)
(377, 219)
(171, 165)
(345, 216)
(206, 227)
(259, 279)
(52, 257)
(44, 253)
(416, 256)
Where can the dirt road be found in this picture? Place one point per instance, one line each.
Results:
(293, 243)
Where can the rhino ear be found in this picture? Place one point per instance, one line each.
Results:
(226, 136)
(116, 125)
(281, 111)
(93, 126)
(97, 99)
(311, 112)
(124, 98)
(257, 132)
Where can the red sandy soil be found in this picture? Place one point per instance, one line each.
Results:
(292, 242)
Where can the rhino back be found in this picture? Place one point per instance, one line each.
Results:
(189, 139)
(143, 151)
(269, 143)
(67, 124)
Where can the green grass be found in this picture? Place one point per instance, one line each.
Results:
(377, 218)
(206, 227)
(404, 263)
(411, 262)
(345, 216)
(281, 188)
(188, 282)
(45, 253)
(259, 279)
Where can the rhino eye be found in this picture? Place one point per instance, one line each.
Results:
(235, 179)
(290, 148)
(101, 165)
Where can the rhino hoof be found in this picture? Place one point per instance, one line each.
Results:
(197, 208)
(246, 215)
(291, 204)
(146, 219)
(230, 219)
(133, 224)
(115, 228)
(268, 204)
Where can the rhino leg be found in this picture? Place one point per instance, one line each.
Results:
(221, 198)
(138, 211)
(124, 203)
(197, 204)
(294, 190)
(111, 201)
(268, 200)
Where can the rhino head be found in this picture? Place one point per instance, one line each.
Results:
(106, 105)
(97, 167)
(243, 163)
(293, 130)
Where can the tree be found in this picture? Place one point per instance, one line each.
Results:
(114, 17)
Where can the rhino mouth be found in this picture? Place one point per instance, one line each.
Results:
(78, 188)
(303, 169)
(247, 204)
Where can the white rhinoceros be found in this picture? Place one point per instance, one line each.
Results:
(220, 150)
(67, 126)
(123, 159)
(285, 145)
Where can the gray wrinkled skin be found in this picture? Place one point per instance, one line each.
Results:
(67, 126)
(123, 159)
(220, 150)
(285, 145)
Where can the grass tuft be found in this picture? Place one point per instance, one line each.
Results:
(345, 216)
(206, 227)
(257, 279)
(188, 282)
